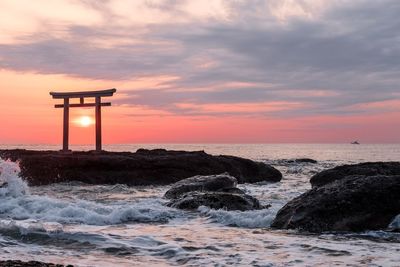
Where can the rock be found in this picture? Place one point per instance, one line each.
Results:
(233, 190)
(145, 167)
(305, 160)
(352, 203)
(18, 263)
(285, 162)
(214, 191)
(364, 169)
(201, 184)
(216, 200)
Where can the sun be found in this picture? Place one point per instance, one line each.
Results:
(84, 121)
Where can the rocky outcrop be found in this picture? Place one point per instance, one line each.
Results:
(145, 167)
(213, 191)
(364, 169)
(216, 200)
(303, 160)
(351, 203)
(18, 263)
(211, 183)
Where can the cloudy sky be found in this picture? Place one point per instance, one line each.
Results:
(236, 71)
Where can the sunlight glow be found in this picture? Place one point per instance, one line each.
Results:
(84, 121)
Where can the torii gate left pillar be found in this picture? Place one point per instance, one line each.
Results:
(82, 95)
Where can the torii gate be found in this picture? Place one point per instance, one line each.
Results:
(82, 95)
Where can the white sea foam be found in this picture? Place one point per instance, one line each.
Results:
(249, 219)
(295, 169)
(53, 210)
(12, 184)
(30, 226)
(17, 203)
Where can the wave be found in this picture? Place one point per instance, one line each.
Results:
(247, 219)
(42, 234)
(10, 183)
(86, 212)
(31, 231)
(17, 203)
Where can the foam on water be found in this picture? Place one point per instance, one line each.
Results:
(25, 227)
(248, 219)
(18, 204)
(11, 184)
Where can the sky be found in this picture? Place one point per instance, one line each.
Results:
(194, 71)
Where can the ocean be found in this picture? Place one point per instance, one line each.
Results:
(116, 225)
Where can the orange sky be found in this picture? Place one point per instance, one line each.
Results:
(181, 79)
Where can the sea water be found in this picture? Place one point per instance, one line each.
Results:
(116, 225)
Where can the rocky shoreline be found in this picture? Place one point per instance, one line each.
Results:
(355, 198)
(144, 167)
(351, 198)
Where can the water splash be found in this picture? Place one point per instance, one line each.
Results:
(395, 224)
(247, 219)
(11, 184)
(18, 204)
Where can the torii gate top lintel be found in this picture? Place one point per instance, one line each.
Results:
(82, 95)
(58, 95)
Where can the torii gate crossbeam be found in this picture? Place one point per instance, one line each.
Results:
(66, 96)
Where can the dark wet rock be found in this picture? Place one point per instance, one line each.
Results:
(352, 203)
(216, 200)
(362, 169)
(18, 263)
(305, 160)
(214, 191)
(233, 190)
(145, 167)
(201, 184)
(286, 162)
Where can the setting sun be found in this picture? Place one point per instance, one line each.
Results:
(84, 121)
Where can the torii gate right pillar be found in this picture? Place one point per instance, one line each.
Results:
(66, 125)
(98, 123)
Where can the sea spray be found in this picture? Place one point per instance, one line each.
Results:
(11, 184)
(247, 219)
(18, 204)
(395, 224)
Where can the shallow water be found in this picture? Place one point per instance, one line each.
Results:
(117, 225)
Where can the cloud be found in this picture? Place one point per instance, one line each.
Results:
(327, 56)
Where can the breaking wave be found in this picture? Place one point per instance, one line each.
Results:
(11, 185)
(18, 204)
(247, 219)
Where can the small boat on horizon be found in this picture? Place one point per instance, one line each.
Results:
(355, 143)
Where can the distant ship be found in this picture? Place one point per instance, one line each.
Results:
(355, 143)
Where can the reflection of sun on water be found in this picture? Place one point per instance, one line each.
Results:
(84, 121)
